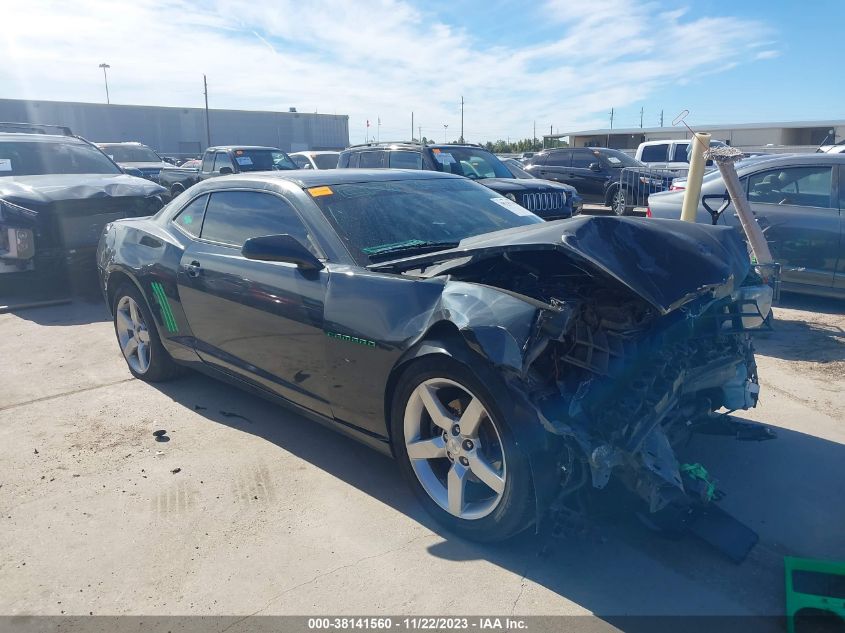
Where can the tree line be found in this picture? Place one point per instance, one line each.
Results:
(501, 146)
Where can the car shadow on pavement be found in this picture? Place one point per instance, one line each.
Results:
(78, 310)
(801, 340)
(791, 490)
(811, 303)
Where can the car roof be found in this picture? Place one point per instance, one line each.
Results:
(665, 140)
(819, 158)
(243, 147)
(133, 143)
(320, 177)
(315, 152)
(40, 138)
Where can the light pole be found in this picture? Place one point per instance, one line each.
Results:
(106, 79)
(445, 125)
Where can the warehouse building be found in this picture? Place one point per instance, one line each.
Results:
(182, 131)
(793, 136)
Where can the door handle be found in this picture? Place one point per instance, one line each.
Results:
(193, 269)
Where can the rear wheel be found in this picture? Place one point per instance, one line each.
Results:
(619, 202)
(176, 190)
(138, 337)
(457, 452)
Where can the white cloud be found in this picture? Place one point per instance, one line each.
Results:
(768, 54)
(379, 58)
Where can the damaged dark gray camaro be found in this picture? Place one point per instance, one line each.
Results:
(510, 365)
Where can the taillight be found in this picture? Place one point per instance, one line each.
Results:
(648, 212)
(676, 188)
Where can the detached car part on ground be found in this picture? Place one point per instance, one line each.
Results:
(510, 365)
(56, 195)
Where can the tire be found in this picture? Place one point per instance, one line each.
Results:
(176, 190)
(619, 202)
(486, 514)
(133, 322)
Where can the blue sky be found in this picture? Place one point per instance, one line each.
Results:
(563, 63)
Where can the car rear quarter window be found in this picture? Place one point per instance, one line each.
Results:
(401, 159)
(795, 186)
(208, 162)
(656, 153)
(232, 217)
(190, 218)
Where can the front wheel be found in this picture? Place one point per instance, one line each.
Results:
(138, 337)
(457, 452)
(619, 202)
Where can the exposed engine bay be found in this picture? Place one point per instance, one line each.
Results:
(624, 379)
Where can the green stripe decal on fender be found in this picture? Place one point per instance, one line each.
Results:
(164, 306)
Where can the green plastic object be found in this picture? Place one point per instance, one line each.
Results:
(697, 471)
(813, 584)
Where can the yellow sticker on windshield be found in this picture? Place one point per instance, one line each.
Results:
(316, 192)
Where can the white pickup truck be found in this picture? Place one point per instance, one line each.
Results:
(669, 155)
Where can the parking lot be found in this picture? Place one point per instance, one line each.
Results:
(250, 509)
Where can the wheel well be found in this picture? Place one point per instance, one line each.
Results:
(443, 334)
(608, 197)
(116, 280)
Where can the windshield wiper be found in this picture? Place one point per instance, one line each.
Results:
(409, 247)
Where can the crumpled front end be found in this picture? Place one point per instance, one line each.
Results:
(623, 379)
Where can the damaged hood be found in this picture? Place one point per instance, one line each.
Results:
(666, 262)
(56, 187)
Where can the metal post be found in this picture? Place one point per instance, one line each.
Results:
(724, 157)
(692, 193)
(445, 125)
(412, 126)
(106, 79)
(462, 119)
(207, 122)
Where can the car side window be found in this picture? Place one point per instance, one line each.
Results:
(583, 159)
(405, 160)
(232, 217)
(208, 163)
(301, 162)
(221, 159)
(680, 155)
(656, 153)
(372, 159)
(559, 159)
(798, 186)
(190, 218)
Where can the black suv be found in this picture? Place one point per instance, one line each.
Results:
(601, 175)
(549, 200)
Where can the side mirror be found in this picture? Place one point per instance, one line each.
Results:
(225, 170)
(595, 167)
(281, 248)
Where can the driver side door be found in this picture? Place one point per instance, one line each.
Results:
(259, 320)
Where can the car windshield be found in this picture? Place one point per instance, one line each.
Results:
(515, 169)
(374, 217)
(471, 162)
(130, 154)
(326, 161)
(617, 160)
(262, 160)
(27, 158)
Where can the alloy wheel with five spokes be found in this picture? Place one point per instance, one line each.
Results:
(133, 335)
(454, 448)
